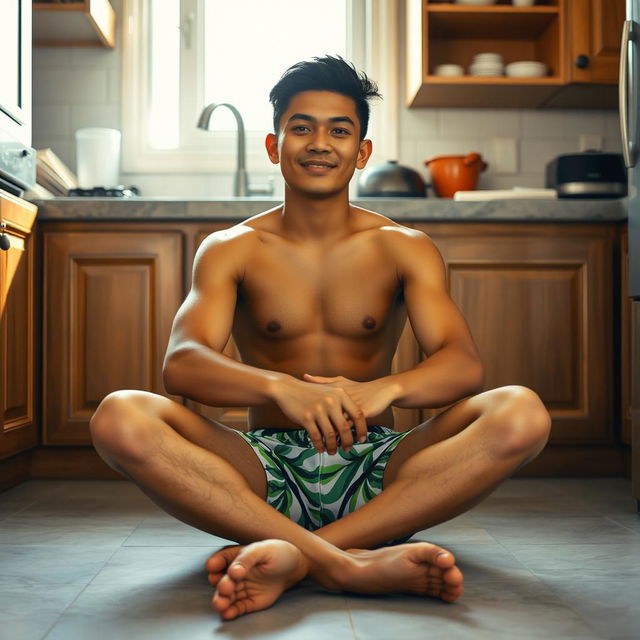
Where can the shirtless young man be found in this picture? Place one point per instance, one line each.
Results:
(316, 293)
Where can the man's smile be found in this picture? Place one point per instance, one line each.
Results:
(318, 167)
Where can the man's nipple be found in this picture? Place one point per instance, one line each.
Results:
(369, 323)
(274, 326)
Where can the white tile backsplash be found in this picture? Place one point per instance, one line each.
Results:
(95, 115)
(468, 123)
(81, 87)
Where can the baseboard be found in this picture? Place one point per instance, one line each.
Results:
(558, 460)
(14, 470)
(70, 463)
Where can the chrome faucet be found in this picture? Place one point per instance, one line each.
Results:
(241, 185)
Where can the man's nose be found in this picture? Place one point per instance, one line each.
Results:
(319, 141)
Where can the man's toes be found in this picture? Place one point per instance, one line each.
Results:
(222, 558)
(453, 576)
(226, 586)
(214, 578)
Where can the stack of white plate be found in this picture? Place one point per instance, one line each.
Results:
(449, 70)
(526, 69)
(488, 65)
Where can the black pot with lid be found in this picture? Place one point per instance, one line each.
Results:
(391, 180)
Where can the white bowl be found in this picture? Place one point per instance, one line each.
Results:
(486, 69)
(488, 57)
(449, 70)
(476, 2)
(526, 69)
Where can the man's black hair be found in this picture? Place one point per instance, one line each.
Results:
(328, 73)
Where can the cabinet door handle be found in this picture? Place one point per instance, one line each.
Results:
(5, 242)
(582, 61)
(628, 146)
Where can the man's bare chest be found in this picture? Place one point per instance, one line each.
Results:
(350, 291)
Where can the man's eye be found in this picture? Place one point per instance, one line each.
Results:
(299, 128)
(342, 132)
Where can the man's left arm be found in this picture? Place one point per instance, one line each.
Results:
(452, 369)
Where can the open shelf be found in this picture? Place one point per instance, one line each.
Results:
(470, 91)
(494, 21)
(450, 33)
(91, 23)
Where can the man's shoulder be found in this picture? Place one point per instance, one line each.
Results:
(391, 233)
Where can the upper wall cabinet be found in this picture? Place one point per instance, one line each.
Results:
(91, 23)
(559, 33)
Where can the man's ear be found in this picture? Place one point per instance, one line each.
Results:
(271, 145)
(364, 153)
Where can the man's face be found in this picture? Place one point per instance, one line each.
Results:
(318, 145)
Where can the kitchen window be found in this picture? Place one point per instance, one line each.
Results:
(180, 56)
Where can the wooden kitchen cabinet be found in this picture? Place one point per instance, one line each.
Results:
(109, 299)
(18, 430)
(85, 23)
(578, 40)
(537, 300)
(595, 29)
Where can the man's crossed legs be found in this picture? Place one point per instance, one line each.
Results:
(204, 474)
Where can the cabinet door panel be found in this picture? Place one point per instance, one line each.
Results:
(109, 302)
(535, 299)
(519, 344)
(595, 29)
(16, 334)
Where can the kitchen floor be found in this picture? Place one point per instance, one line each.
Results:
(543, 558)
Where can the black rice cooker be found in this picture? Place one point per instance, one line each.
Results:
(391, 180)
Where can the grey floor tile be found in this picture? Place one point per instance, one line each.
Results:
(581, 561)
(178, 566)
(611, 608)
(28, 612)
(164, 530)
(489, 563)
(17, 498)
(554, 558)
(628, 520)
(537, 529)
(49, 564)
(105, 612)
(525, 609)
(461, 530)
(89, 530)
(606, 495)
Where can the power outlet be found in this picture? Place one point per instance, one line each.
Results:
(504, 157)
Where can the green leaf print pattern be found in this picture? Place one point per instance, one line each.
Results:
(314, 489)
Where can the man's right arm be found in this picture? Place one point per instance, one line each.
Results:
(194, 365)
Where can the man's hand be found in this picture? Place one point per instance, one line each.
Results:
(373, 397)
(325, 411)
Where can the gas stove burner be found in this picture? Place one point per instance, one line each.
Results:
(105, 192)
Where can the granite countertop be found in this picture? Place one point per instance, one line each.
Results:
(428, 209)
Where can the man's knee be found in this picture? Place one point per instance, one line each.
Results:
(520, 422)
(120, 428)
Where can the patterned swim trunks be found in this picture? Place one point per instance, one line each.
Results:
(314, 489)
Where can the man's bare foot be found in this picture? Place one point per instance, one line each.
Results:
(419, 568)
(255, 577)
(218, 563)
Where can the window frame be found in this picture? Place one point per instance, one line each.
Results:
(371, 22)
